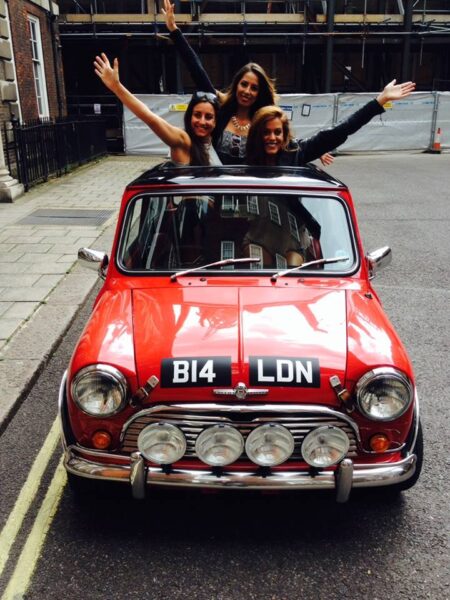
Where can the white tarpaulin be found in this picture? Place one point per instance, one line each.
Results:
(138, 137)
(308, 113)
(405, 125)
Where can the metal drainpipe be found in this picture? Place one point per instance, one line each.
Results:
(329, 46)
(407, 26)
(55, 59)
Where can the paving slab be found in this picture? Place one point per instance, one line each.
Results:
(42, 286)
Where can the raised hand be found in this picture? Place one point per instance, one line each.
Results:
(109, 75)
(169, 15)
(396, 91)
(327, 159)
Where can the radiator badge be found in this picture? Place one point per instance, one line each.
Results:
(241, 391)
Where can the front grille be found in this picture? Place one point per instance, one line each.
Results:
(192, 423)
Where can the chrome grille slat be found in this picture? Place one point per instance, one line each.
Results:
(192, 424)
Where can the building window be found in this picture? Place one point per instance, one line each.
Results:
(227, 251)
(293, 227)
(38, 67)
(274, 213)
(252, 205)
(229, 204)
(281, 261)
(256, 252)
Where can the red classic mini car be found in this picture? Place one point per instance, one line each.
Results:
(237, 342)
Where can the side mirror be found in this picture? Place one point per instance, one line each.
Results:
(93, 259)
(378, 259)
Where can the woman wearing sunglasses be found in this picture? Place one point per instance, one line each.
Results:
(270, 141)
(188, 146)
(250, 90)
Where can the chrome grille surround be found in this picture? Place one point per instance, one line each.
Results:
(192, 419)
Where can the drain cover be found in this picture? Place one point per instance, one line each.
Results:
(66, 217)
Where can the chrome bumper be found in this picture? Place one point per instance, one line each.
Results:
(133, 471)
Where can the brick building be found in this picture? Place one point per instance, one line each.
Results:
(31, 76)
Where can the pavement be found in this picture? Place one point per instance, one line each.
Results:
(42, 285)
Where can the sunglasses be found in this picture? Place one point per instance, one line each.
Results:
(207, 97)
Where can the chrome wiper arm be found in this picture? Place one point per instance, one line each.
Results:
(218, 263)
(320, 261)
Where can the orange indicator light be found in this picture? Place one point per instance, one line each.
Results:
(379, 442)
(101, 440)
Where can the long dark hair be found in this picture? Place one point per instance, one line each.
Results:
(267, 96)
(199, 150)
(256, 154)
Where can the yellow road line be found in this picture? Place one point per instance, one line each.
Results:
(27, 494)
(21, 578)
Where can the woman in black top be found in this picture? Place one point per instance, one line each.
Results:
(270, 140)
(250, 90)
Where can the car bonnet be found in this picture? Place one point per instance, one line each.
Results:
(203, 338)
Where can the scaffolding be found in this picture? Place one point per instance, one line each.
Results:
(312, 46)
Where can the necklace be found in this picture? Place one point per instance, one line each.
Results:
(238, 126)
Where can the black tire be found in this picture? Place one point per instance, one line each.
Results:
(86, 490)
(418, 451)
(393, 491)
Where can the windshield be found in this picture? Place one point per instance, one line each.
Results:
(179, 232)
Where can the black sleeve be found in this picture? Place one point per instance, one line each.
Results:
(192, 62)
(328, 139)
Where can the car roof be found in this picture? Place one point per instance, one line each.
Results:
(237, 175)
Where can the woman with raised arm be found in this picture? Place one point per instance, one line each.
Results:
(270, 141)
(250, 90)
(189, 146)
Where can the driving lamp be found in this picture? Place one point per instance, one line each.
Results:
(99, 390)
(384, 394)
(269, 445)
(325, 446)
(219, 445)
(161, 443)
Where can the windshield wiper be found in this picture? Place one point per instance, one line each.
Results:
(218, 263)
(320, 261)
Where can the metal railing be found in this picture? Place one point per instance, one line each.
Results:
(38, 149)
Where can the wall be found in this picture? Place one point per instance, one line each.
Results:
(19, 11)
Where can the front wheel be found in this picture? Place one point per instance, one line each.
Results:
(86, 490)
(418, 451)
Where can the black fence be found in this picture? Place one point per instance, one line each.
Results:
(39, 149)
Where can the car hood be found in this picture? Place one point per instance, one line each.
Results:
(279, 339)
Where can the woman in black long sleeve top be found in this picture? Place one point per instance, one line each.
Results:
(270, 141)
(250, 90)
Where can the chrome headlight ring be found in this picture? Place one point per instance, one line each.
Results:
(99, 390)
(384, 394)
(219, 445)
(269, 445)
(162, 443)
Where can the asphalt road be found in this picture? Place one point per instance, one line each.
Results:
(239, 545)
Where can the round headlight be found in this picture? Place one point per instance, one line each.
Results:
(384, 394)
(162, 443)
(325, 446)
(219, 445)
(99, 390)
(269, 445)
